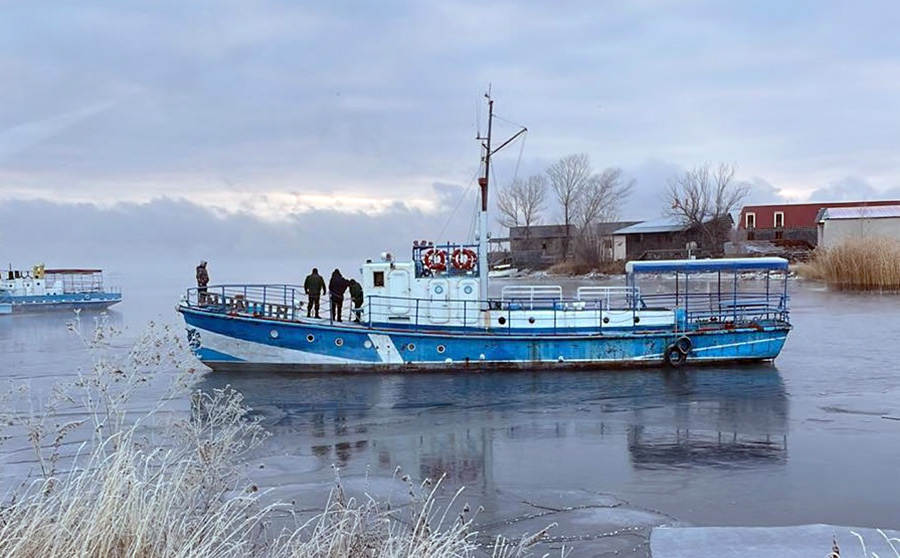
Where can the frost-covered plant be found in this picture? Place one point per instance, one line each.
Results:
(141, 484)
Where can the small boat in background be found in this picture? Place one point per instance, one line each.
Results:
(502, 270)
(41, 289)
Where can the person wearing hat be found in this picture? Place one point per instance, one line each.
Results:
(202, 282)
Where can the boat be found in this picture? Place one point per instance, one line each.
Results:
(436, 312)
(502, 270)
(41, 289)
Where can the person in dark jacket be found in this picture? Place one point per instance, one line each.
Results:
(314, 286)
(336, 287)
(356, 296)
(202, 282)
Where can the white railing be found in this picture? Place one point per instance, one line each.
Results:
(531, 296)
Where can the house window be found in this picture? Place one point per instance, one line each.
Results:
(750, 220)
(378, 279)
(779, 219)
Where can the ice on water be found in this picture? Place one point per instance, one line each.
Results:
(801, 541)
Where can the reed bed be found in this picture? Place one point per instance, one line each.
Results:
(857, 264)
(137, 488)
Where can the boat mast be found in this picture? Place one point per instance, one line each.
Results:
(483, 266)
(483, 183)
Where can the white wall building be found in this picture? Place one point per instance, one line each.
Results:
(838, 223)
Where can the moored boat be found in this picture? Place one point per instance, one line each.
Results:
(436, 312)
(41, 289)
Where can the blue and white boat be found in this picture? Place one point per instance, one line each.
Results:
(436, 312)
(40, 289)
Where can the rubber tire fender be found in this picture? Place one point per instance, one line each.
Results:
(674, 357)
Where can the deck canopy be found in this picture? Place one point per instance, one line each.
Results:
(703, 266)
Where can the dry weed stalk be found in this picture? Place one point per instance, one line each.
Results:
(858, 263)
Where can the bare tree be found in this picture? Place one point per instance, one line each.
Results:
(704, 197)
(598, 201)
(521, 202)
(568, 178)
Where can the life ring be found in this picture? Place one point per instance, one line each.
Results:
(674, 357)
(464, 258)
(435, 260)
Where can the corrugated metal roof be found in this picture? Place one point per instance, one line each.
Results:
(860, 212)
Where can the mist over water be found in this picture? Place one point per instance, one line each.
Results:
(811, 439)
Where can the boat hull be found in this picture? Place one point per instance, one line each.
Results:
(236, 342)
(52, 303)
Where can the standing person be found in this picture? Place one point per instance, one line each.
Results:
(336, 287)
(314, 287)
(356, 296)
(202, 282)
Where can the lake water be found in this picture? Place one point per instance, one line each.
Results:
(814, 438)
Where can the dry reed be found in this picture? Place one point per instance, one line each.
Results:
(857, 264)
(133, 489)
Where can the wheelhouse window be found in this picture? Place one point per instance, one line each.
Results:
(779, 219)
(750, 220)
(378, 278)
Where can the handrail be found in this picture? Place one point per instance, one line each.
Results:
(530, 313)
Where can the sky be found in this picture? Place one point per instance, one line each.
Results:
(320, 131)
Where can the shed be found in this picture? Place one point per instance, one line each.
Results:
(835, 224)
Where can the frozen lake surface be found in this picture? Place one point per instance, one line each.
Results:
(609, 456)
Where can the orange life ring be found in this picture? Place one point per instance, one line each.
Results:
(464, 258)
(435, 260)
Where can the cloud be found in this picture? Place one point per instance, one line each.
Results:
(236, 101)
(16, 139)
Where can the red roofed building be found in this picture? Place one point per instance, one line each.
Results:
(790, 222)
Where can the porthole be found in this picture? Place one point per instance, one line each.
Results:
(501, 320)
(273, 334)
(441, 348)
(468, 289)
(411, 347)
(438, 289)
(339, 342)
(606, 320)
(310, 337)
(637, 319)
(367, 344)
(531, 319)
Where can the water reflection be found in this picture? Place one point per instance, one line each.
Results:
(466, 426)
(717, 417)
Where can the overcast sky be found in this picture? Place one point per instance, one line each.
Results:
(350, 125)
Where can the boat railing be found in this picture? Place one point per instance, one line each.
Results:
(736, 307)
(528, 308)
(529, 297)
(280, 302)
(610, 297)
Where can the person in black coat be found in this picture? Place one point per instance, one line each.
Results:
(336, 287)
